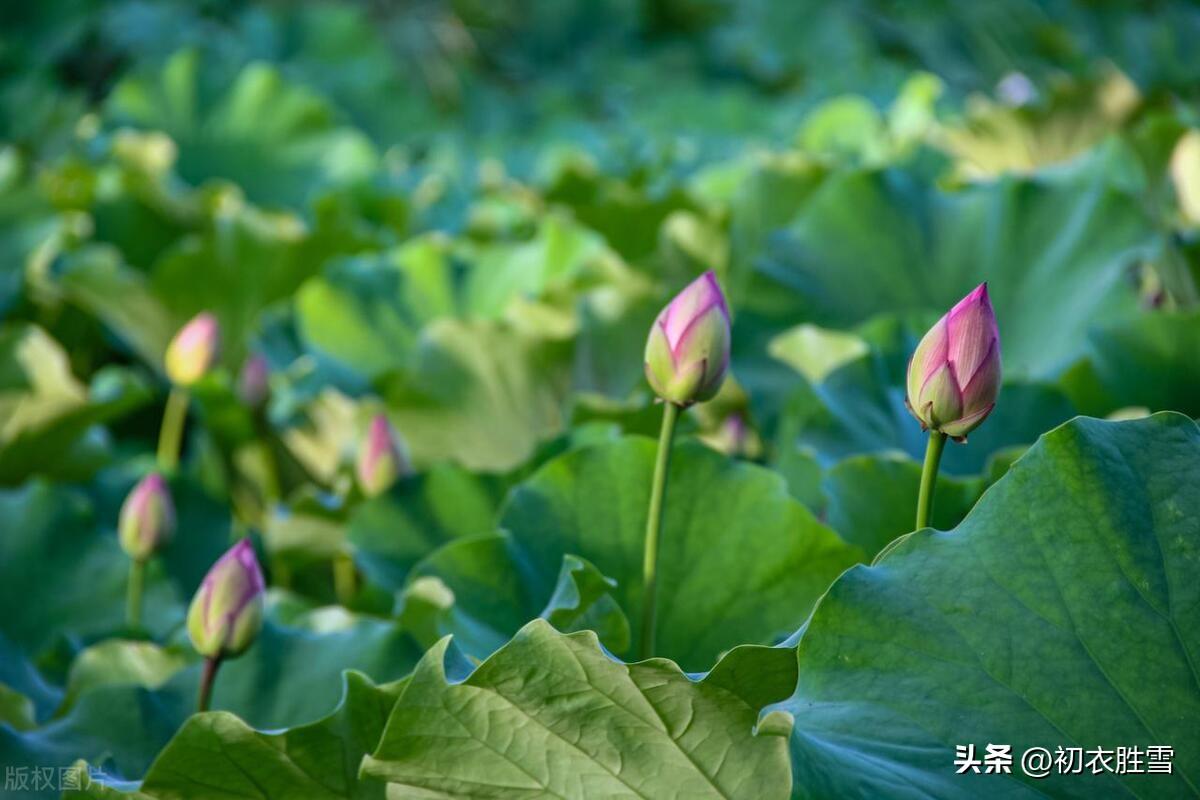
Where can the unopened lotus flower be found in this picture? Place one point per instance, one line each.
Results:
(954, 375)
(193, 351)
(227, 611)
(687, 354)
(147, 518)
(253, 387)
(380, 458)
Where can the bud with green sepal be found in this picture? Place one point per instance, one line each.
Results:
(953, 382)
(146, 525)
(381, 459)
(189, 357)
(687, 352)
(193, 351)
(686, 360)
(227, 612)
(147, 518)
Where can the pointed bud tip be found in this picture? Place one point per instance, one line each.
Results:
(226, 614)
(193, 351)
(687, 353)
(380, 460)
(954, 374)
(147, 519)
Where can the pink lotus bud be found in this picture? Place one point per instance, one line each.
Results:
(193, 351)
(380, 458)
(147, 519)
(226, 613)
(687, 354)
(253, 387)
(954, 375)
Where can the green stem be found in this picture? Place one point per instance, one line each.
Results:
(207, 677)
(933, 456)
(133, 594)
(171, 434)
(344, 578)
(654, 517)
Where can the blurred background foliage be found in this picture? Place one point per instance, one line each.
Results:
(466, 214)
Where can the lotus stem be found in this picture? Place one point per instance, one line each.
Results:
(207, 678)
(933, 457)
(658, 489)
(133, 593)
(171, 434)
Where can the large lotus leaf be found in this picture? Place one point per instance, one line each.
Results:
(558, 257)
(243, 264)
(357, 314)
(739, 559)
(275, 139)
(27, 224)
(46, 414)
(120, 729)
(365, 313)
(240, 265)
(476, 589)
(127, 709)
(872, 499)
(1053, 247)
(391, 532)
(996, 137)
(290, 675)
(1061, 613)
(481, 394)
(628, 216)
(1152, 361)
(97, 280)
(553, 715)
(63, 574)
(19, 676)
(217, 755)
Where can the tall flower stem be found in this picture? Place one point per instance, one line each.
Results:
(207, 677)
(658, 489)
(133, 593)
(171, 434)
(933, 456)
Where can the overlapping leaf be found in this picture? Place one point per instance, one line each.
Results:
(1060, 613)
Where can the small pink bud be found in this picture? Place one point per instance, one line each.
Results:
(253, 386)
(226, 614)
(380, 458)
(954, 374)
(193, 351)
(147, 519)
(687, 353)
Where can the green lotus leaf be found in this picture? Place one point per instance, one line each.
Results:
(1060, 613)
(740, 560)
(551, 714)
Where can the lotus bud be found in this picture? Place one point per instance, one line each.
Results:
(687, 354)
(954, 375)
(253, 387)
(380, 458)
(147, 519)
(227, 611)
(193, 351)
